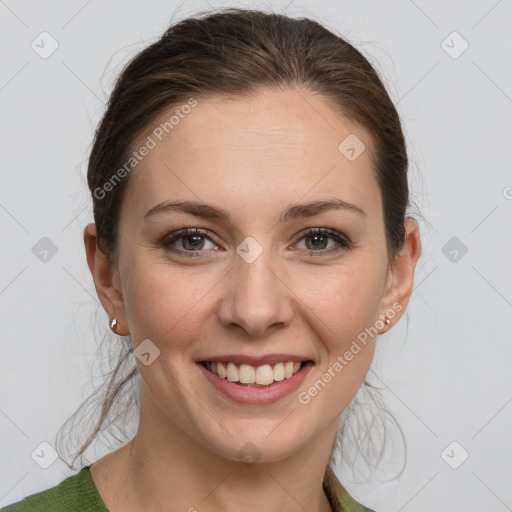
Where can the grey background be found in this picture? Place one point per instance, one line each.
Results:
(445, 367)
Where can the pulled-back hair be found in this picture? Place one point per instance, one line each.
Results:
(234, 52)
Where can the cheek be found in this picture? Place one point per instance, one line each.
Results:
(165, 302)
(345, 300)
(342, 307)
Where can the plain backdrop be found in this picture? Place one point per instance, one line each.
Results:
(446, 365)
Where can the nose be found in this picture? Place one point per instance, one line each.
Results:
(257, 297)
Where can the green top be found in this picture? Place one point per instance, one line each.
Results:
(75, 493)
(78, 493)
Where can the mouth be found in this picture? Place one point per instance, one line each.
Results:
(257, 376)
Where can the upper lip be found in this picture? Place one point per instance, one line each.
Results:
(256, 360)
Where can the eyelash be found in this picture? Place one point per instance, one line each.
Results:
(168, 240)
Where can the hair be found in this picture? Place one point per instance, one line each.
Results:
(235, 52)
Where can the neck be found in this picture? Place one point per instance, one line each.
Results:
(165, 469)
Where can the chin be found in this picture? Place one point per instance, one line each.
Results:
(253, 441)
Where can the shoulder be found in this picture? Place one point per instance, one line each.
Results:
(339, 497)
(76, 493)
(349, 504)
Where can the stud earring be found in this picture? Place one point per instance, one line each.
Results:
(113, 324)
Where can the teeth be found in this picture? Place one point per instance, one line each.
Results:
(221, 370)
(232, 373)
(279, 372)
(288, 370)
(260, 375)
(265, 374)
(246, 374)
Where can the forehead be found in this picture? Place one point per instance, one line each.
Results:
(263, 151)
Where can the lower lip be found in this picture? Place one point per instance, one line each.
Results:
(255, 395)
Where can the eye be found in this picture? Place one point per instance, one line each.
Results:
(317, 241)
(191, 240)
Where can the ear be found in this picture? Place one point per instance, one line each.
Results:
(400, 278)
(106, 280)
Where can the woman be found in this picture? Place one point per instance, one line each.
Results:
(249, 183)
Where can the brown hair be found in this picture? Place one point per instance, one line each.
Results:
(237, 52)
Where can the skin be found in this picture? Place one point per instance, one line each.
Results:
(254, 156)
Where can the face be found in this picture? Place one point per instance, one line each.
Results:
(268, 277)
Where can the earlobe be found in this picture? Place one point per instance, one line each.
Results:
(105, 276)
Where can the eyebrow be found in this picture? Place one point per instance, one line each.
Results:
(293, 212)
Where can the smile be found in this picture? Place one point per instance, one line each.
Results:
(246, 374)
(258, 384)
